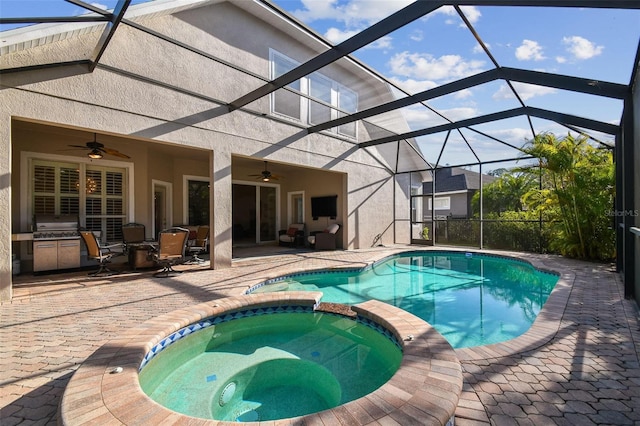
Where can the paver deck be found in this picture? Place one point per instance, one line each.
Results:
(578, 366)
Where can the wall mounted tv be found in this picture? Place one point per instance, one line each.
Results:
(324, 206)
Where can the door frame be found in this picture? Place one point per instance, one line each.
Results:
(290, 196)
(167, 187)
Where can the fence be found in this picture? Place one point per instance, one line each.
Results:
(517, 235)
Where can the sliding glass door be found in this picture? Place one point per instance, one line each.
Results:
(255, 213)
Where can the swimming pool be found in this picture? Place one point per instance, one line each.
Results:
(269, 364)
(471, 299)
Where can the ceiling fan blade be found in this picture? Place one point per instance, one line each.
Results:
(114, 152)
(78, 146)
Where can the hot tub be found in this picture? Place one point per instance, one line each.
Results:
(269, 364)
(423, 385)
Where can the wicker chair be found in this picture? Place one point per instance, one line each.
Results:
(324, 240)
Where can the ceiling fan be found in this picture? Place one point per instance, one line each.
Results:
(96, 149)
(266, 175)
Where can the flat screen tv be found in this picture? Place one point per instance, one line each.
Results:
(324, 206)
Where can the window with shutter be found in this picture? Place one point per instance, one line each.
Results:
(105, 202)
(96, 194)
(55, 188)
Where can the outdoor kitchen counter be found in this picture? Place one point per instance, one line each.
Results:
(22, 236)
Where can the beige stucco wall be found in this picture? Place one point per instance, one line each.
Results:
(146, 95)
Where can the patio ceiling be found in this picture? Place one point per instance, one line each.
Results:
(409, 146)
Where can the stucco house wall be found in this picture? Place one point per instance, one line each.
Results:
(146, 91)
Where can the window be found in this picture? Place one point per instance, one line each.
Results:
(95, 194)
(441, 203)
(56, 188)
(198, 202)
(319, 88)
(105, 201)
(284, 101)
(347, 102)
(327, 99)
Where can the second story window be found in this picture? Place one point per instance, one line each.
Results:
(318, 98)
(285, 102)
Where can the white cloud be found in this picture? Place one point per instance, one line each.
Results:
(412, 85)
(478, 49)
(525, 91)
(335, 36)
(516, 136)
(463, 94)
(529, 50)
(424, 66)
(472, 13)
(381, 43)
(580, 48)
(417, 35)
(460, 113)
(354, 13)
(561, 59)
(419, 117)
(100, 5)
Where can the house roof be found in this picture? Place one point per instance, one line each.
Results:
(451, 179)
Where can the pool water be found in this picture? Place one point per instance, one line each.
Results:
(271, 367)
(470, 299)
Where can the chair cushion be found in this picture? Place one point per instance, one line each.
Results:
(332, 229)
(292, 231)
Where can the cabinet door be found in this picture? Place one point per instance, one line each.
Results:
(68, 254)
(45, 255)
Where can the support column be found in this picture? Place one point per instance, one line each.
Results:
(6, 291)
(221, 199)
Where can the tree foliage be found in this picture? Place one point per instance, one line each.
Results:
(578, 184)
(505, 193)
(572, 190)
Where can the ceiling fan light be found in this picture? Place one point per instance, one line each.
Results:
(265, 179)
(95, 154)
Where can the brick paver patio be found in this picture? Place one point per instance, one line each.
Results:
(584, 370)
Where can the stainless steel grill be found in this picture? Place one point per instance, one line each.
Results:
(56, 243)
(50, 227)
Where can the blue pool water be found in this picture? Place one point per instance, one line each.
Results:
(470, 299)
(271, 366)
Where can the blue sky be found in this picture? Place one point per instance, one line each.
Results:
(590, 43)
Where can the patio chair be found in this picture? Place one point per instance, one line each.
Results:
(199, 245)
(172, 246)
(132, 233)
(100, 253)
(292, 236)
(324, 240)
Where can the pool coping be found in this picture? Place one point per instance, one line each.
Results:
(425, 389)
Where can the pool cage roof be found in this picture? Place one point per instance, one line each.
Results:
(437, 136)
